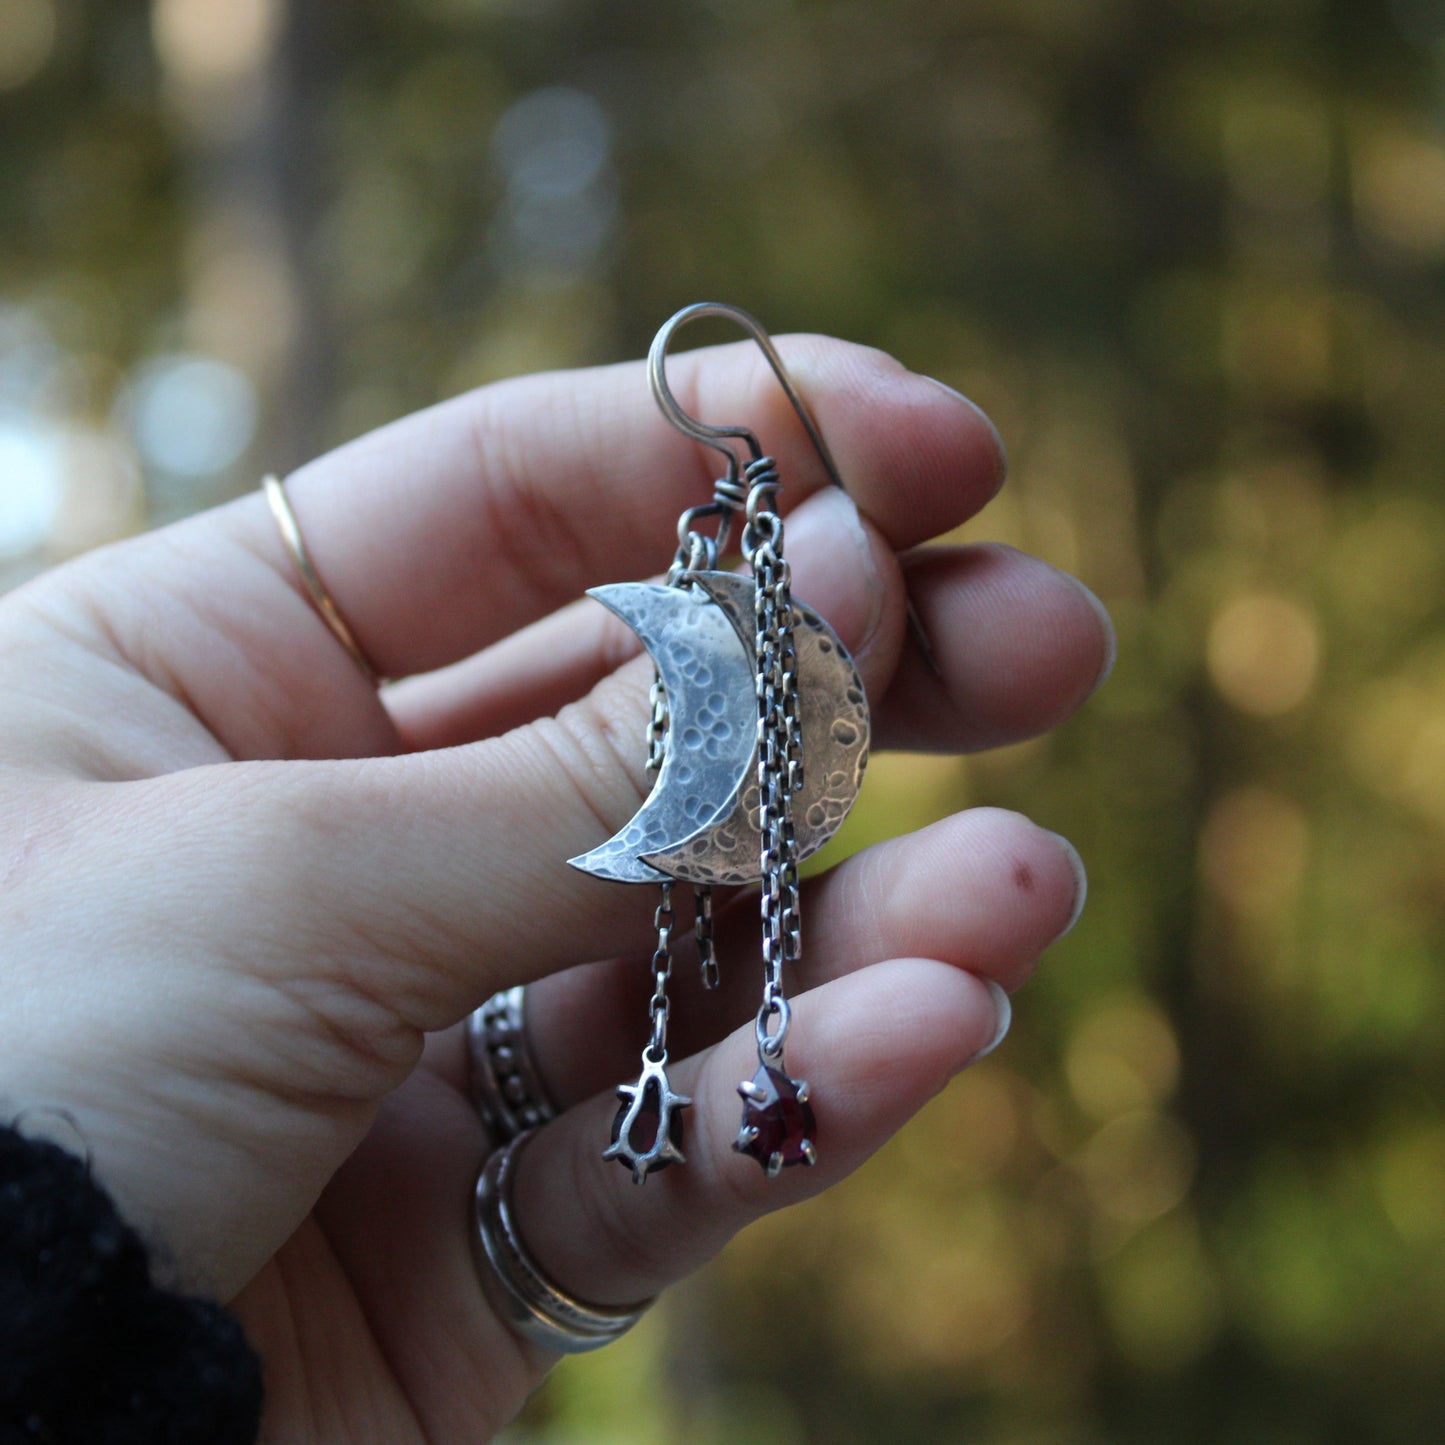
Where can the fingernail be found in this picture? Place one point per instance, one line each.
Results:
(1111, 639)
(1002, 475)
(834, 565)
(1003, 1010)
(1081, 882)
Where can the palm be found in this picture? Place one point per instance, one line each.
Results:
(351, 1308)
(322, 1285)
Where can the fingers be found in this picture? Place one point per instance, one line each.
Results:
(452, 528)
(1022, 646)
(441, 871)
(427, 879)
(440, 876)
(841, 565)
(873, 1047)
(1018, 646)
(985, 891)
(449, 530)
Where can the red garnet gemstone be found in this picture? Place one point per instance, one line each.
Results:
(778, 1127)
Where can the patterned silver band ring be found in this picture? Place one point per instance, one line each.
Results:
(524, 1298)
(505, 1087)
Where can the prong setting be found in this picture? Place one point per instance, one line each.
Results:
(777, 1128)
(650, 1095)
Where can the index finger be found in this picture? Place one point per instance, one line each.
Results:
(447, 530)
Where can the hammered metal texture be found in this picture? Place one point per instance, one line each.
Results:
(711, 748)
(725, 849)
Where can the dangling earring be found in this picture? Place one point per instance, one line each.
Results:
(758, 737)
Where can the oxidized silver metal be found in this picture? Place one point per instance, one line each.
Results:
(651, 1094)
(779, 756)
(746, 684)
(703, 936)
(650, 1105)
(716, 436)
(831, 727)
(701, 822)
(729, 493)
(709, 747)
(506, 1089)
(524, 1298)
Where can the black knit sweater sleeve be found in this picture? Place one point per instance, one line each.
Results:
(91, 1353)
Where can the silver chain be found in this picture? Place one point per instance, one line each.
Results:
(702, 896)
(695, 553)
(659, 1006)
(656, 724)
(780, 759)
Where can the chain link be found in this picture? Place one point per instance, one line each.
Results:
(657, 727)
(702, 930)
(780, 759)
(659, 1006)
(780, 768)
(656, 724)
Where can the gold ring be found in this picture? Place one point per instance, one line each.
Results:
(330, 614)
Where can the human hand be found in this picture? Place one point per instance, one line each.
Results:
(249, 898)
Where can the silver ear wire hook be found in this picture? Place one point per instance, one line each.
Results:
(712, 435)
(716, 436)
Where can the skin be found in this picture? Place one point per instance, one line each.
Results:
(247, 899)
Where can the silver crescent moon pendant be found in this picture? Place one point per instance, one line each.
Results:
(700, 822)
(706, 673)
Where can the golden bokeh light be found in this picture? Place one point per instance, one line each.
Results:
(1163, 1300)
(1122, 1055)
(1253, 851)
(103, 497)
(207, 43)
(982, 1119)
(1396, 738)
(1411, 1182)
(1263, 653)
(1276, 142)
(242, 303)
(1136, 1168)
(1277, 338)
(1399, 181)
(970, 1286)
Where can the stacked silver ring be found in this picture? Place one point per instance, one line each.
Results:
(507, 1092)
(506, 1089)
(523, 1296)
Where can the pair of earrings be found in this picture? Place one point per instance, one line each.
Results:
(758, 739)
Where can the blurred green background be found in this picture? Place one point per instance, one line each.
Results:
(1189, 254)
